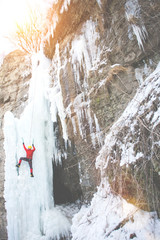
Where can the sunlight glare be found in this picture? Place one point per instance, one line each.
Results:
(14, 12)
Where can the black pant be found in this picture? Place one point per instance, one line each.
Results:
(27, 160)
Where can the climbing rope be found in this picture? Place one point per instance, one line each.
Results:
(33, 107)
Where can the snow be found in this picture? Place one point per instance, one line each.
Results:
(148, 90)
(109, 216)
(29, 201)
(101, 219)
(115, 65)
(53, 222)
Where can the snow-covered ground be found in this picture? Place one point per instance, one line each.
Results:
(111, 217)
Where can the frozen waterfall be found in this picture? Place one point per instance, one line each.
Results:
(29, 201)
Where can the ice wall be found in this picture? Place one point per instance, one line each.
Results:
(29, 201)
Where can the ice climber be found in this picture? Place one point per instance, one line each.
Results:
(28, 158)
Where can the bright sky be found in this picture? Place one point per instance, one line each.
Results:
(16, 11)
(12, 11)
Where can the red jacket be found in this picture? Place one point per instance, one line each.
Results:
(29, 152)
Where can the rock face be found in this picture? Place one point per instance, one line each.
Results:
(122, 50)
(131, 149)
(106, 50)
(14, 74)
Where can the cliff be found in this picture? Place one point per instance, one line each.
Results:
(102, 56)
(106, 51)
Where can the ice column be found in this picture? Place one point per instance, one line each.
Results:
(30, 200)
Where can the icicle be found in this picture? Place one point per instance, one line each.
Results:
(132, 8)
(65, 6)
(98, 131)
(99, 3)
(56, 97)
